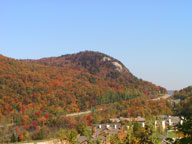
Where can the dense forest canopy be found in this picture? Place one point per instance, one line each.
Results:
(185, 96)
(72, 87)
(36, 94)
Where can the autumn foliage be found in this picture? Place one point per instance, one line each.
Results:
(35, 94)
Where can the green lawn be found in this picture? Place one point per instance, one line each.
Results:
(171, 134)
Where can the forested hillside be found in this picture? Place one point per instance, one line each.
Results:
(37, 94)
(105, 67)
(185, 106)
(72, 87)
(184, 93)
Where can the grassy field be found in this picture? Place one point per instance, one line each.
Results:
(172, 134)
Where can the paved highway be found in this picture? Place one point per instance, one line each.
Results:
(162, 97)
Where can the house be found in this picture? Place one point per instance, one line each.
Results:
(115, 120)
(103, 126)
(170, 120)
(126, 119)
(83, 140)
(137, 119)
(173, 120)
(102, 129)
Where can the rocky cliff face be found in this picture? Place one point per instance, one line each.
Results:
(92, 62)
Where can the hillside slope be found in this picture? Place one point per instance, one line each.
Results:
(184, 93)
(103, 66)
(67, 84)
(185, 105)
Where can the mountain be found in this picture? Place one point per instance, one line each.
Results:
(103, 66)
(36, 95)
(92, 62)
(69, 83)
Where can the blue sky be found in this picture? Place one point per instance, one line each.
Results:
(152, 38)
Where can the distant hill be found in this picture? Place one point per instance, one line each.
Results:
(69, 83)
(170, 92)
(185, 96)
(184, 93)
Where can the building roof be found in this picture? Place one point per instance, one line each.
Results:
(82, 139)
(140, 119)
(175, 119)
(115, 120)
(137, 119)
(118, 125)
(102, 129)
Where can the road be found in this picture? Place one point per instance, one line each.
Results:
(166, 96)
(78, 114)
(81, 113)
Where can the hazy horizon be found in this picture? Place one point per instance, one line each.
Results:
(151, 38)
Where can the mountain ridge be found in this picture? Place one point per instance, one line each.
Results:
(68, 88)
(89, 60)
(95, 63)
